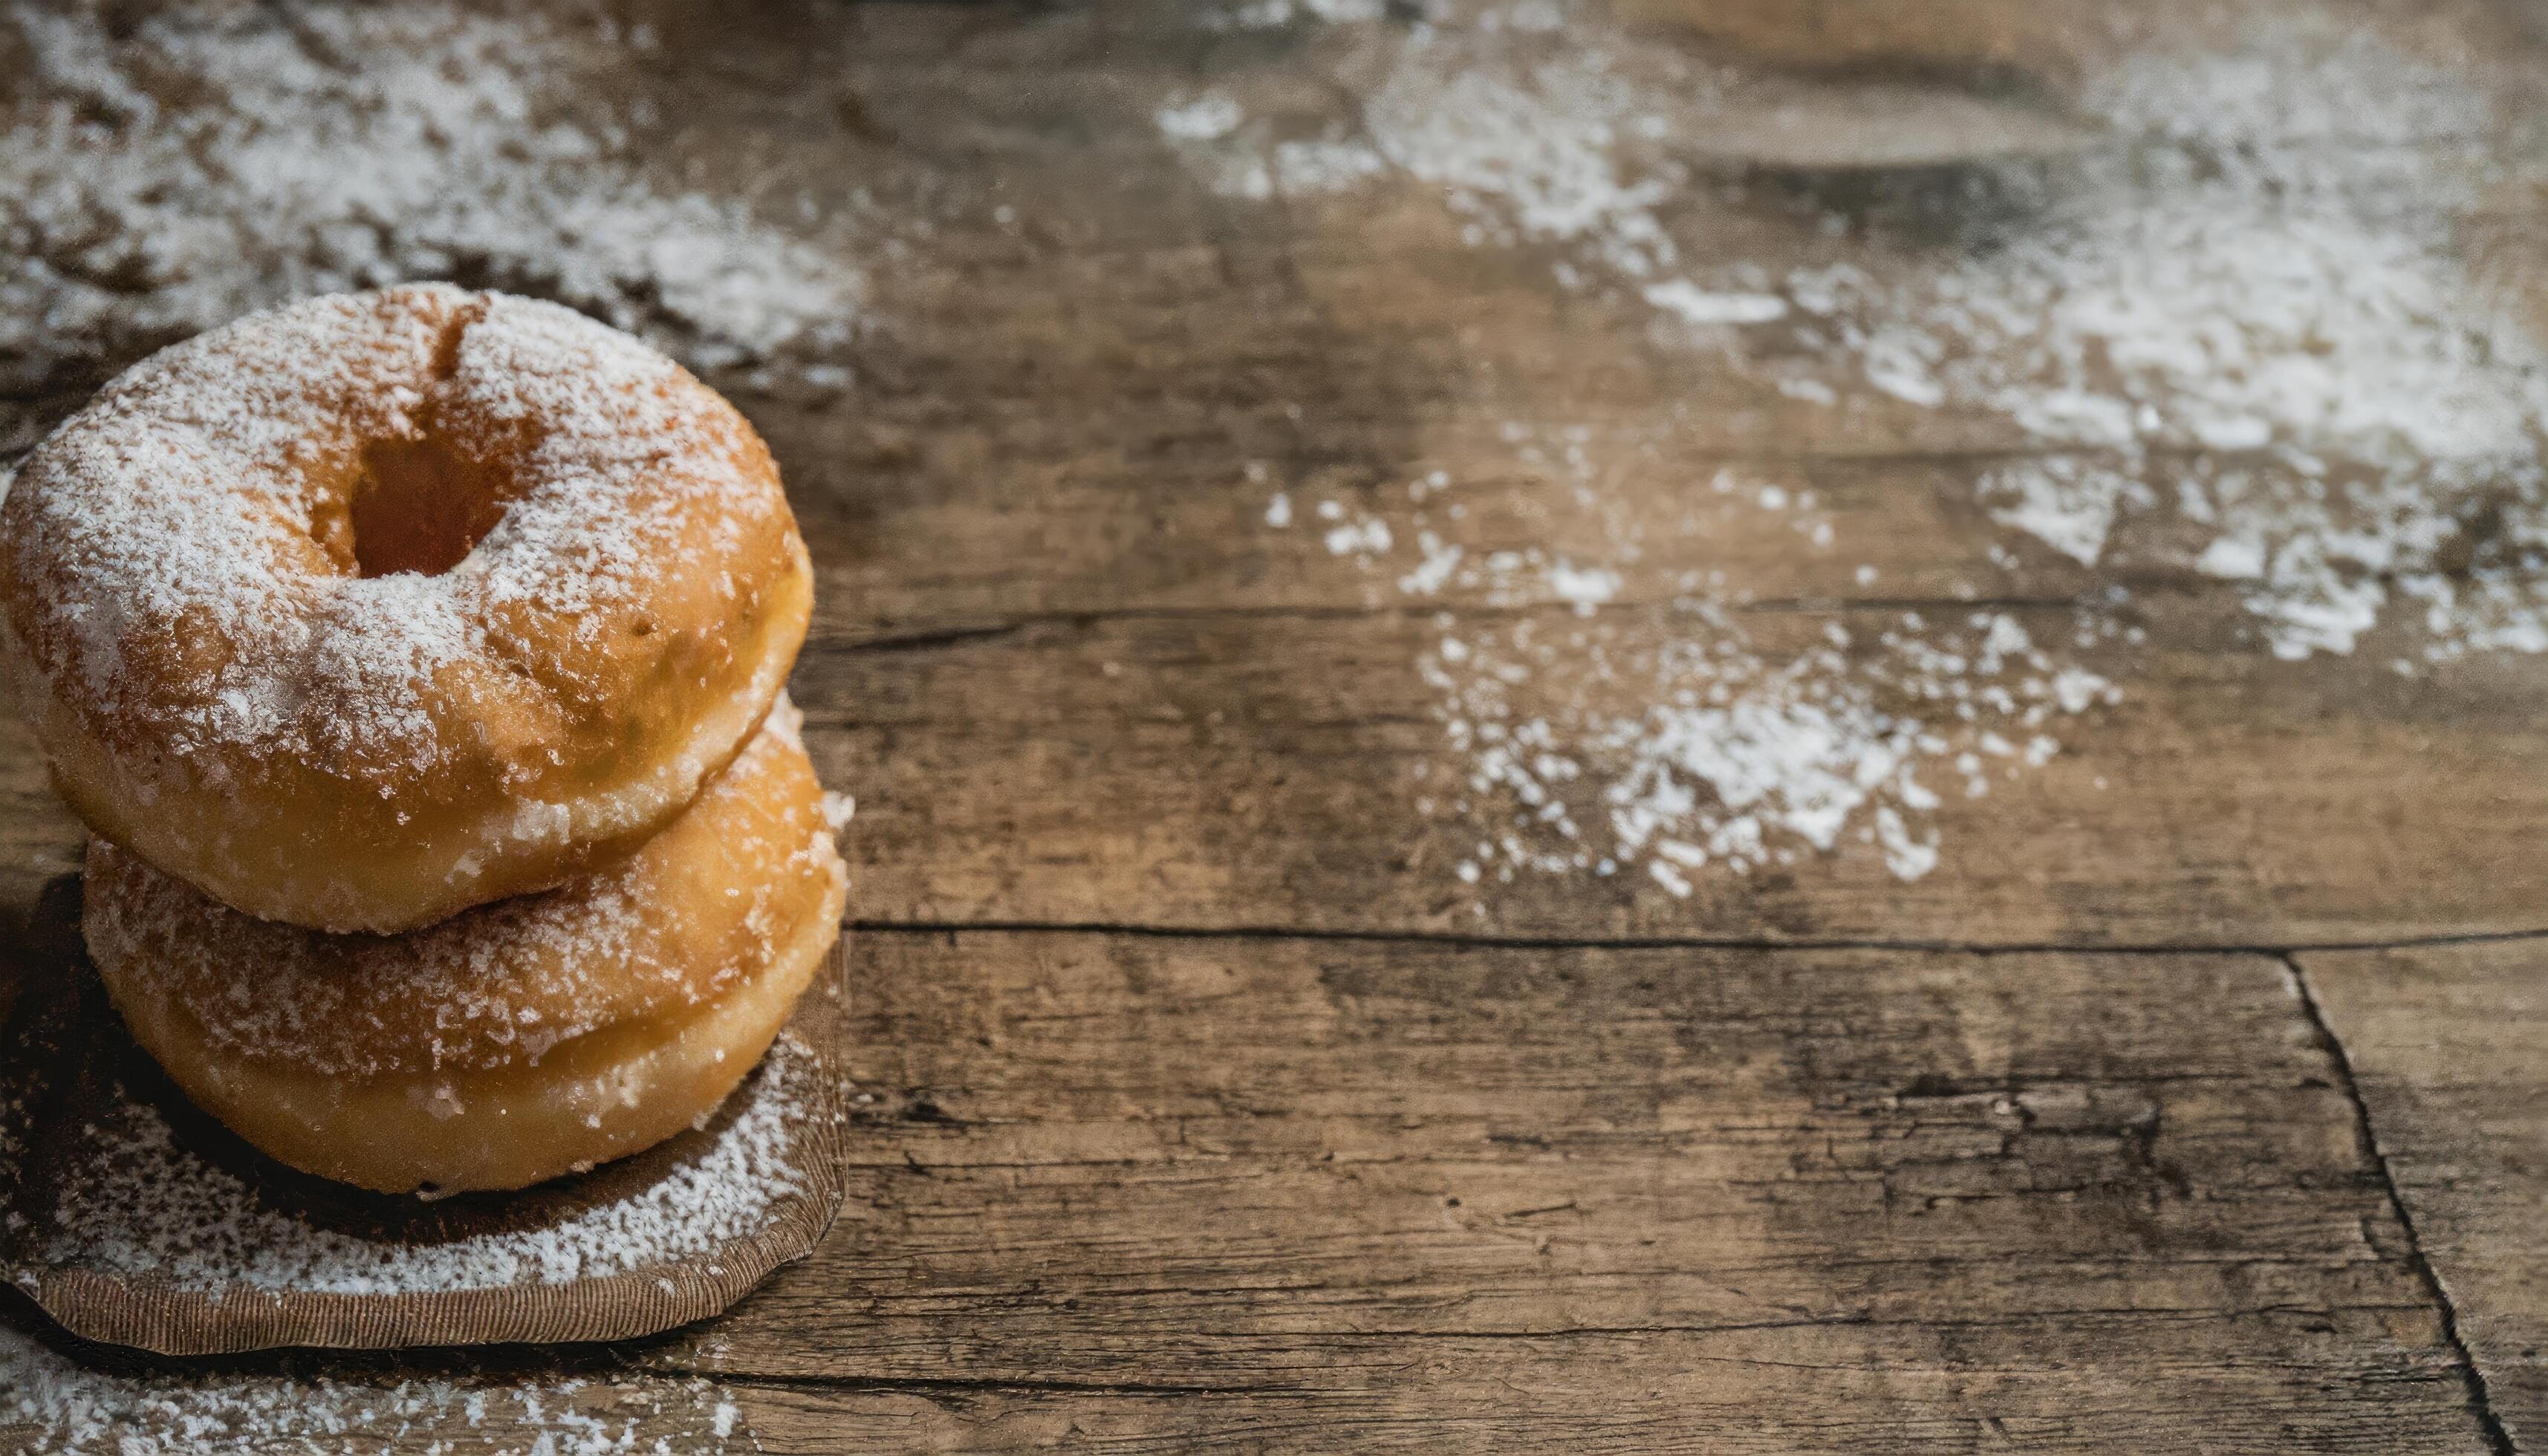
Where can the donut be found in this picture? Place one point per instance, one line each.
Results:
(515, 1041)
(363, 611)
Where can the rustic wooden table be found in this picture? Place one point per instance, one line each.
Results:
(1680, 973)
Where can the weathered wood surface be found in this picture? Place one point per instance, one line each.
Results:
(1826, 1200)
(2444, 1044)
(1252, 772)
(1212, 1107)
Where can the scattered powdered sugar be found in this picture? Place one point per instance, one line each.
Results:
(1671, 737)
(2247, 317)
(155, 1208)
(1364, 536)
(1515, 131)
(1263, 15)
(2229, 318)
(838, 809)
(210, 163)
(1206, 119)
(1586, 588)
(62, 1405)
(1602, 747)
(1698, 305)
(2257, 321)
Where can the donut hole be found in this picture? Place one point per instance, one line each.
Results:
(420, 503)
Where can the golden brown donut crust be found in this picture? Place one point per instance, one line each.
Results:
(515, 1041)
(381, 606)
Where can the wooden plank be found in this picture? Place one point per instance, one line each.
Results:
(1263, 1186)
(1268, 771)
(2444, 1045)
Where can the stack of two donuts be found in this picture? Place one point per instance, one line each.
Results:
(417, 659)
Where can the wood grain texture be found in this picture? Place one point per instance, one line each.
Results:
(2444, 1045)
(1248, 771)
(1736, 1200)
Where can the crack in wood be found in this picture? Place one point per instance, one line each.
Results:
(2367, 1141)
(995, 1385)
(921, 641)
(825, 643)
(1672, 943)
(956, 1385)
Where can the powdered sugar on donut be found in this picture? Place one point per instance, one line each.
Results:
(533, 369)
(179, 589)
(695, 913)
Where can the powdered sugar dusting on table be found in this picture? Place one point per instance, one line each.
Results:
(76, 1408)
(1664, 738)
(2218, 321)
(153, 1207)
(210, 163)
(2261, 325)
(2249, 312)
(1583, 746)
